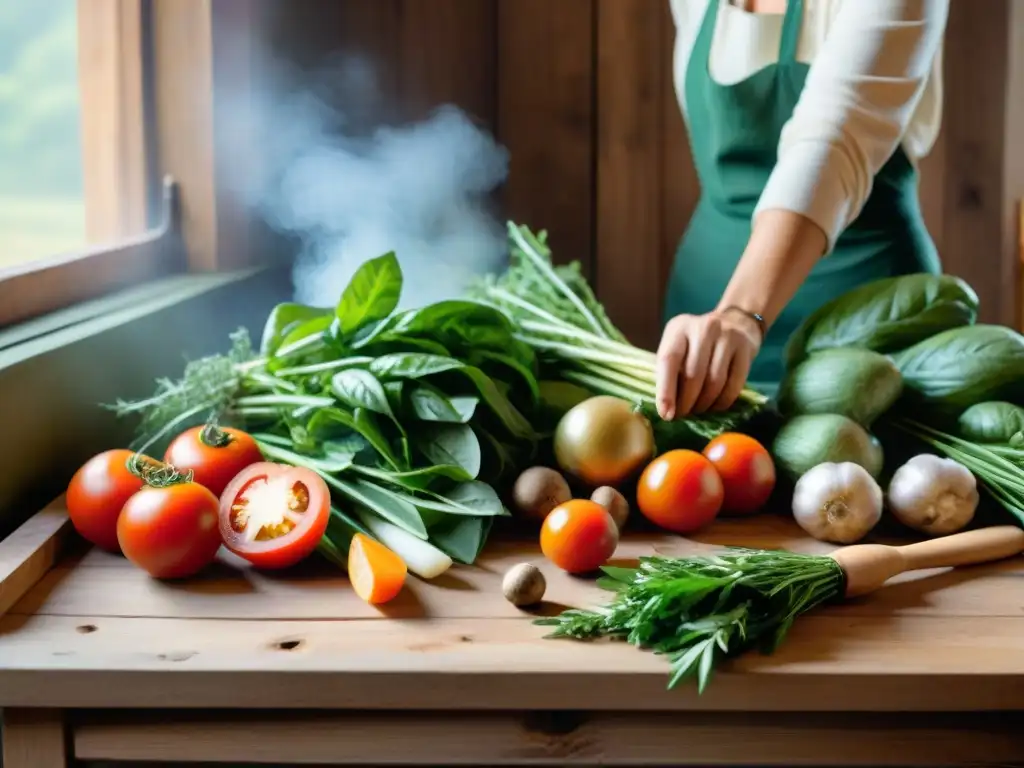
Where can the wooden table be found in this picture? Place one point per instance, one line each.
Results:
(99, 662)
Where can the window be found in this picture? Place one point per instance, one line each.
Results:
(99, 101)
(42, 206)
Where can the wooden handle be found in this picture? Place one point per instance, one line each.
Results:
(869, 566)
(980, 546)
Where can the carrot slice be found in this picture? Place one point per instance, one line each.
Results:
(377, 574)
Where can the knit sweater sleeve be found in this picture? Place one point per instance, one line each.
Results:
(860, 95)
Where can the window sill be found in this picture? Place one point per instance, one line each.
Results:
(56, 370)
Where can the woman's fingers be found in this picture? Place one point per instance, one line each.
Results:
(703, 335)
(739, 370)
(702, 364)
(718, 373)
(671, 354)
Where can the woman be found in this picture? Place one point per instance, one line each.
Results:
(806, 119)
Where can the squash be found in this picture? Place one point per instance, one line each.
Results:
(806, 441)
(856, 383)
(991, 422)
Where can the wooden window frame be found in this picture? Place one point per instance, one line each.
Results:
(149, 71)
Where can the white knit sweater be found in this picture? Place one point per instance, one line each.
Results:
(874, 84)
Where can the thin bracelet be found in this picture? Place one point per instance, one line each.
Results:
(759, 319)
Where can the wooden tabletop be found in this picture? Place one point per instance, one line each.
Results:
(97, 632)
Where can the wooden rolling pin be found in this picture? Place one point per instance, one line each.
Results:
(869, 566)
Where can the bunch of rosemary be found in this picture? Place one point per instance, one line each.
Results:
(699, 610)
(556, 313)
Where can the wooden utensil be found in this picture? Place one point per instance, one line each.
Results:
(869, 566)
(699, 610)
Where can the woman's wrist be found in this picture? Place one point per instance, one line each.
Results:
(755, 318)
(782, 249)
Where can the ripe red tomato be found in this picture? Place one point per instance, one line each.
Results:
(681, 491)
(170, 531)
(214, 454)
(579, 536)
(746, 469)
(97, 493)
(274, 515)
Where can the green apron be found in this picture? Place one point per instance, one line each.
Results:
(734, 137)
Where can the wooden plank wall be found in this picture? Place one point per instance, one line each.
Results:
(581, 93)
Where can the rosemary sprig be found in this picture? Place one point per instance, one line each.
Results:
(700, 610)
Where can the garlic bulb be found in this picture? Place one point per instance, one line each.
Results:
(838, 503)
(933, 495)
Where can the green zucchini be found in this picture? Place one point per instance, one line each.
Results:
(804, 442)
(856, 383)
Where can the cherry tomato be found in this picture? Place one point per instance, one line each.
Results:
(274, 515)
(170, 531)
(746, 469)
(97, 493)
(579, 536)
(214, 454)
(681, 491)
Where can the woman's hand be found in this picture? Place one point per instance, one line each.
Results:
(704, 360)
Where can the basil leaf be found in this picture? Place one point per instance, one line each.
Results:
(313, 327)
(991, 422)
(371, 295)
(416, 479)
(465, 406)
(394, 391)
(328, 421)
(428, 404)
(368, 427)
(476, 497)
(388, 505)
(412, 365)
(453, 444)
(285, 318)
(957, 368)
(886, 315)
(458, 320)
(509, 415)
(482, 356)
(357, 388)
(322, 464)
(461, 539)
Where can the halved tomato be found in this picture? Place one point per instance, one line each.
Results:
(274, 515)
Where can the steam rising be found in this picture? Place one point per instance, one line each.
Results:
(418, 189)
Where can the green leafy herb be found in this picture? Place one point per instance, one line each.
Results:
(699, 610)
(371, 295)
(284, 319)
(886, 315)
(451, 445)
(957, 368)
(360, 389)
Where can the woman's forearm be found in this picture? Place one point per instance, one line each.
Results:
(783, 248)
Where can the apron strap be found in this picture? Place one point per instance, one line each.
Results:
(791, 31)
